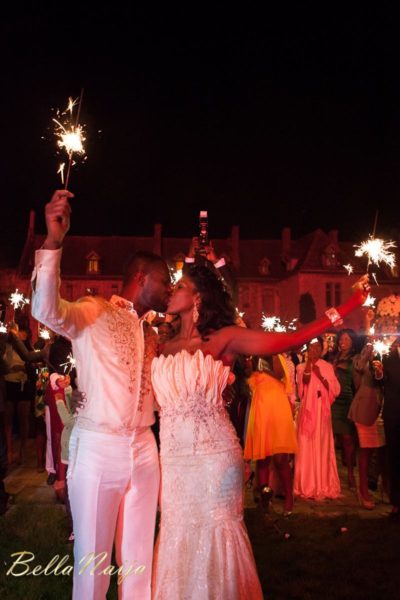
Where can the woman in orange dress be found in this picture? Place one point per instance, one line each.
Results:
(271, 432)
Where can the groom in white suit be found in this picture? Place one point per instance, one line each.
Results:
(113, 472)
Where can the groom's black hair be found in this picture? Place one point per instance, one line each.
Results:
(141, 262)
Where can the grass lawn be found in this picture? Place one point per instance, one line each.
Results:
(318, 561)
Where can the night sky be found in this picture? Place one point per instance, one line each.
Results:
(265, 120)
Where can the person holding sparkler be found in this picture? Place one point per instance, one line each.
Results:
(201, 459)
(389, 371)
(113, 471)
(365, 411)
(316, 475)
(20, 384)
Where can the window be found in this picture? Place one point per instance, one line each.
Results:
(70, 291)
(244, 296)
(268, 301)
(93, 264)
(333, 294)
(92, 291)
(329, 258)
(263, 267)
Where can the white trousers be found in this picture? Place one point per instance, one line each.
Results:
(113, 484)
(49, 452)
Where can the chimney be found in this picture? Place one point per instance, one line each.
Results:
(286, 241)
(157, 238)
(333, 237)
(31, 228)
(235, 238)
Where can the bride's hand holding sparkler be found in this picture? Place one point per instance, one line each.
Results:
(57, 213)
(362, 286)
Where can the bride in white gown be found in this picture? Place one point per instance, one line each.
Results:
(203, 551)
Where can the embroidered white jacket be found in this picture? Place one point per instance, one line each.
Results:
(108, 341)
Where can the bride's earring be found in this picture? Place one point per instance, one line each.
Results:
(196, 312)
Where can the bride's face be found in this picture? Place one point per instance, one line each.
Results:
(183, 297)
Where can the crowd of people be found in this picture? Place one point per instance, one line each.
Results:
(33, 381)
(227, 397)
(345, 407)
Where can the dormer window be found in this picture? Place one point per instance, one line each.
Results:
(263, 267)
(329, 257)
(93, 264)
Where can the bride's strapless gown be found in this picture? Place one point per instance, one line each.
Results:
(203, 551)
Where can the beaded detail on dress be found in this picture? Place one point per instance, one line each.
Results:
(189, 391)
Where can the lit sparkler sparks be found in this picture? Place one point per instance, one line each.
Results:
(349, 268)
(274, 323)
(370, 301)
(18, 300)
(61, 171)
(381, 347)
(44, 333)
(69, 364)
(3, 328)
(269, 323)
(70, 136)
(377, 251)
(72, 139)
(176, 275)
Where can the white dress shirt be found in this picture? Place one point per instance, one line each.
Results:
(108, 341)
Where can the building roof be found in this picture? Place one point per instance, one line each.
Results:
(285, 257)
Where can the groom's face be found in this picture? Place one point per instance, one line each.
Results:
(157, 288)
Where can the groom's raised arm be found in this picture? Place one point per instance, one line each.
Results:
(65, 318)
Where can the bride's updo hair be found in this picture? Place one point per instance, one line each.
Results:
(216, 309)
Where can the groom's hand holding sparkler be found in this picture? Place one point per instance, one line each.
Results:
(57, 213)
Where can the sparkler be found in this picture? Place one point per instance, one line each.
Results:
(381, 347)
(69, 364)
(349, 268)
(370, 301)
(61, 171)
(70, 135)
(377, 251)
(44, 333)
(274, 323)
(269, 323)
(176, 275)
(18, 300)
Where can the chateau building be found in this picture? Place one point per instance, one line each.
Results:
(290, 278)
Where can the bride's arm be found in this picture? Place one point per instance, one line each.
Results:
(238, 340)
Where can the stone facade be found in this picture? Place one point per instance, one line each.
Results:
(271, 275)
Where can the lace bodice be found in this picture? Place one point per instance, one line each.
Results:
(189, 390)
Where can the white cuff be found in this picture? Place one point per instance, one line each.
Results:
(220, 263)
